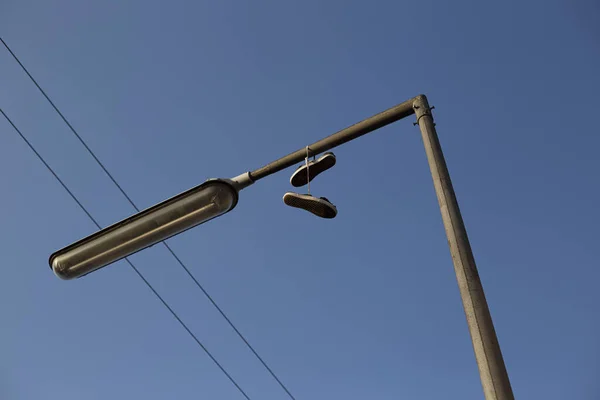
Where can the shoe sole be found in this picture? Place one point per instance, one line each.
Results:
(311, 204)
(324, 162)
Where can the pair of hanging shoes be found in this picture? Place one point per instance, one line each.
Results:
(305, 173)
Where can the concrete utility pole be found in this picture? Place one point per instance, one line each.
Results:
(492, 370)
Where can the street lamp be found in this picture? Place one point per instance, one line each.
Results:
(200, 204)
(216, 197)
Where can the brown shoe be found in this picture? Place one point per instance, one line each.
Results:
(319, 206)
(300, 177)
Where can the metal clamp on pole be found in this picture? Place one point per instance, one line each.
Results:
(421, 109)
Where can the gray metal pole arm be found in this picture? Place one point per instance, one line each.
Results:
(345, 135)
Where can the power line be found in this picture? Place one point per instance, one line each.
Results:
(126, 259)
(208, 296)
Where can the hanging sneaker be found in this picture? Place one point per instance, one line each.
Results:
(301, 177)
(319, 206)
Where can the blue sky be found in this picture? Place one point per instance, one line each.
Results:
(366, 305)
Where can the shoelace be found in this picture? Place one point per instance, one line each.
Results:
(307, 166)
(307, 172)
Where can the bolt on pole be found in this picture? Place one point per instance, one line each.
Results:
(494, 378)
